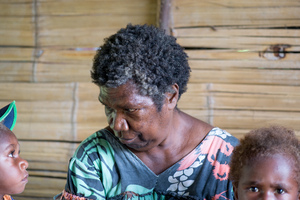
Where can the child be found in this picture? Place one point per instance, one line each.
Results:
(266, 165)
(13, 174)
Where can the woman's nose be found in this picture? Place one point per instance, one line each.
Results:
(118, 122)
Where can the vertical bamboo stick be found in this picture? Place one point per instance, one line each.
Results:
(164, 15)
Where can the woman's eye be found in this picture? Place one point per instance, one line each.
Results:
(108, 109)
(131, 110)
(253, 189)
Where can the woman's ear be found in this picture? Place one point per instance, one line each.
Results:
(172, 97)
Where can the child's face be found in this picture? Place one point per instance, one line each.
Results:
(268, 178)
(13, 174)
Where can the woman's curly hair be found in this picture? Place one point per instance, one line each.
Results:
(265, 142)
(144, 55)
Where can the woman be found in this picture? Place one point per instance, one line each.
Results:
(151, 149)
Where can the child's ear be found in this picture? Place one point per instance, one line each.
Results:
(235, 190)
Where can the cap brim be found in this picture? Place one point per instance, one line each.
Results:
(8, 115)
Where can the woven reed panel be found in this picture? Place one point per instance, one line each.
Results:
(245, 56)
(46, 53)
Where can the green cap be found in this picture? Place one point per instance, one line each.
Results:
(8, 115)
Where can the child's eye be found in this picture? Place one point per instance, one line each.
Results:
(280, 191)
(253, 189)
(11, 154)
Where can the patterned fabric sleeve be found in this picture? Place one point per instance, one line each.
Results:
(83, 183)
(83, 180)
(68, 196)
(90, 169)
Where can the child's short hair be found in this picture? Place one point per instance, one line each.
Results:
(265, 142)
(2, 126)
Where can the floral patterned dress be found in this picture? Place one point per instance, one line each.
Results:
(103, 168)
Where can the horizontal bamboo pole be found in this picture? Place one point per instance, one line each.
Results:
(251, 76)
(196, 32)
(231, 13)
(240, 43)
(236, 64)
(99, 7)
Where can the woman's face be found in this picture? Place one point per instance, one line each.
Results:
(13, 174)
(268, 178)
(134, 118)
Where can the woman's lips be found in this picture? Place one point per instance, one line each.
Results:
(126, 141)
(125, 138)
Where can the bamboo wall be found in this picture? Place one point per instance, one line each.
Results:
(46, 52)
(244, 59)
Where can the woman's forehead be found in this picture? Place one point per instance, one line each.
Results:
(126, 93)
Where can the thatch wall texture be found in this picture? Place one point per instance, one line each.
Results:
(244, 57)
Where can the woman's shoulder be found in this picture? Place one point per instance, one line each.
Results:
(102, 135)
(224, 135)
(101, 140)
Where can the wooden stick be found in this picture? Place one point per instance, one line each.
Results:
(163, 15)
